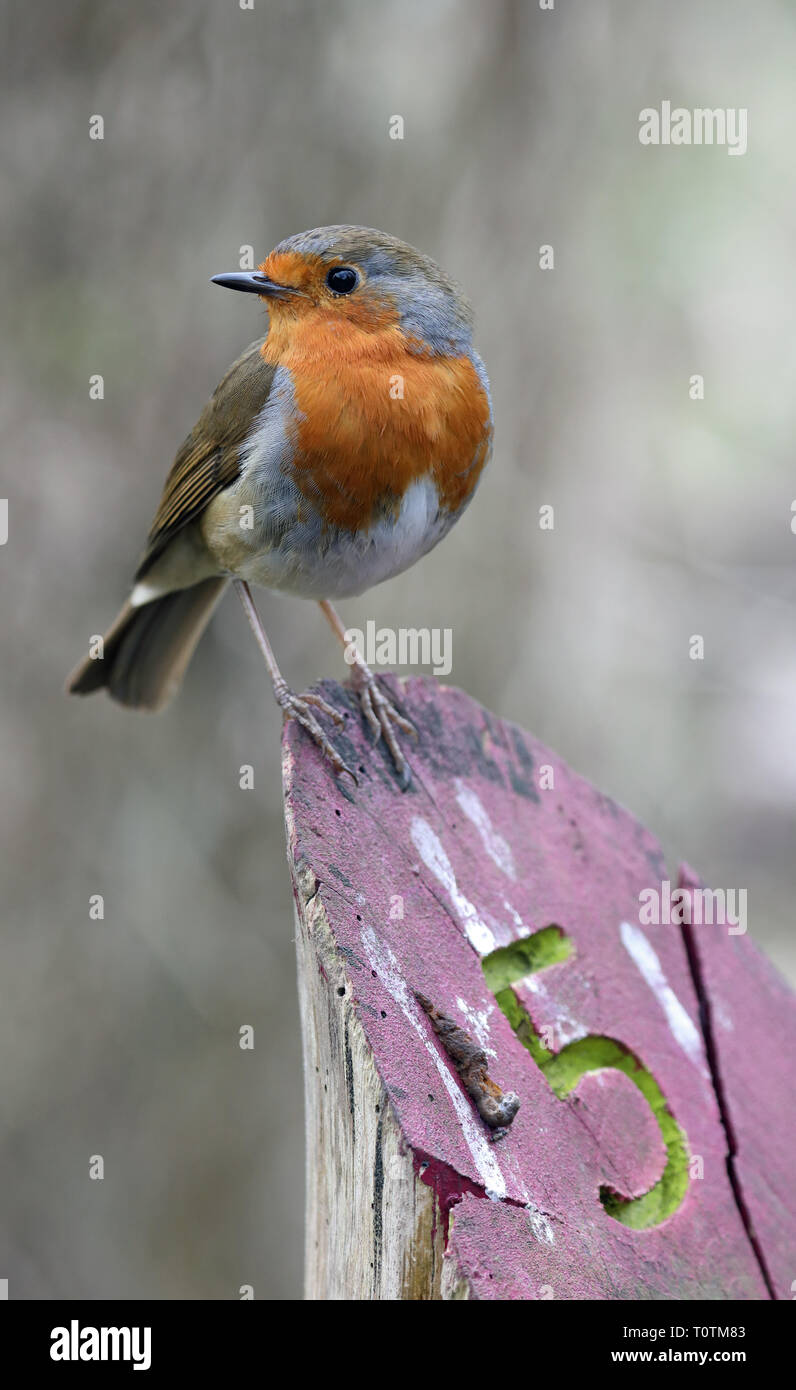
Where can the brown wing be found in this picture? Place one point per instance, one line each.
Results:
(207, 462)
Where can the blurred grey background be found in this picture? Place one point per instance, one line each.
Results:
(224, 128)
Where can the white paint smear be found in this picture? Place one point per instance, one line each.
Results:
(388, 970)
(540, 1226)
(477, 1021)
(428, 846)
(680, 1023)
(522, 930)
(567, 1028)
(496, 847)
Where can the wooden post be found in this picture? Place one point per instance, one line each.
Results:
(491, 931)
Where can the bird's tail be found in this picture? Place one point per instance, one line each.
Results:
(146, 651)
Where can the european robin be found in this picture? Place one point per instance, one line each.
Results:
(336, 451)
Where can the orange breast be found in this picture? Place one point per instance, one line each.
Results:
(374, 417)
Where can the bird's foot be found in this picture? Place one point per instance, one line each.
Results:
(300, 707)
(382, 717)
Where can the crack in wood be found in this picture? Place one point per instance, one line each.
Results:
(711, 1051)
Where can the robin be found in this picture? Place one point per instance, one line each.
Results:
(336, 451)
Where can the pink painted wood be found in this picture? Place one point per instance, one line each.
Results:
(751, 1027)
(417, 887)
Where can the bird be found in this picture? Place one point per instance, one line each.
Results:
(337, 450)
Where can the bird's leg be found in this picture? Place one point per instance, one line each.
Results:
(298, 707)
(378, 709)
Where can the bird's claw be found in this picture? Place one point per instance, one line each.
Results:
(300, 707)
(382, 718)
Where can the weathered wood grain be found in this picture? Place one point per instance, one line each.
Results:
(399, 893)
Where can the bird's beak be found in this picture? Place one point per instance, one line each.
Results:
(254, 282)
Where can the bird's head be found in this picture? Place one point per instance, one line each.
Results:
(356, 279)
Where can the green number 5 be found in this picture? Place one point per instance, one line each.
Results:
(550, 946)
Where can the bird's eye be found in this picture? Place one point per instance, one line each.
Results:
(342, 279)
